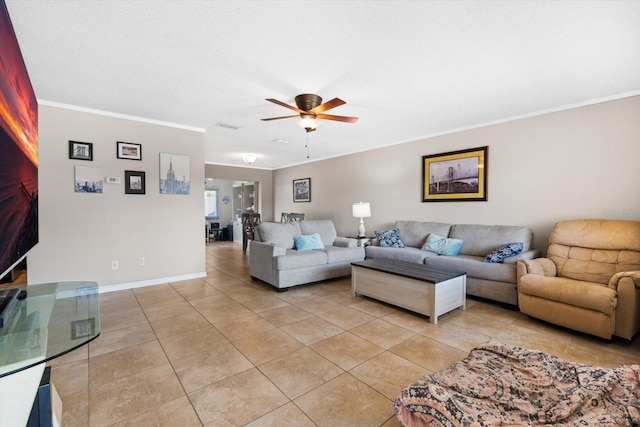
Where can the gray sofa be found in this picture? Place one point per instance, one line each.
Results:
(495, 281)
(274, 259)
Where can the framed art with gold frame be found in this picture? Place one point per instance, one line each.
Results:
(456, 176)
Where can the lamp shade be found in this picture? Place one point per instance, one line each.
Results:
(361, 210)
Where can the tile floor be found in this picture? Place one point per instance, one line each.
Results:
(226, 351)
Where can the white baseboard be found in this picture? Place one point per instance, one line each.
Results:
(150, 282)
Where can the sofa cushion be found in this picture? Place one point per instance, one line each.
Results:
(506, 251)
(482, 239)
(324, 227)
(308, 242)
(474, 267)
(442, 245)
(390, 238)
(414, 233)
(337, 254)
(407, 254)
(299, 259)
(279, 233)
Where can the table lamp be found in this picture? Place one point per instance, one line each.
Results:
(361, 210)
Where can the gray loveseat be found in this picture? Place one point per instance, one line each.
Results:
(273, 257)
(495, 281)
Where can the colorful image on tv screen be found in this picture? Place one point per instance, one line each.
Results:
(18, 151)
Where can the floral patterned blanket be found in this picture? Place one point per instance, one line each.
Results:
(497, 385)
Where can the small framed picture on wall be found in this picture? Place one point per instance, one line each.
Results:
(129, 151)
(302, 190)
(81, 150)
(134, 182)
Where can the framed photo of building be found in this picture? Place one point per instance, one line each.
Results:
(81, 150)
(134, 182)
(302, 190)
(456, 176)
(174, 174)
(129, 151)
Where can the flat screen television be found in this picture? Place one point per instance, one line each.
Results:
(18, 152)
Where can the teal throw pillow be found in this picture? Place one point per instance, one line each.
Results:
(390, 238)
(506, 251)
(442, 245)
(308, 242)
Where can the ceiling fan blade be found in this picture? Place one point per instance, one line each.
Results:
(282, 117)
(335, 102)
(337, 118)
(291, 107)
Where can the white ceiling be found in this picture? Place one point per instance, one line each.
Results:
(408, 69)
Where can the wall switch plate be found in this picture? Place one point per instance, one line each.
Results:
(141, 260)
(114, 265)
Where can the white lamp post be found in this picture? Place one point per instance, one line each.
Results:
(361, 210)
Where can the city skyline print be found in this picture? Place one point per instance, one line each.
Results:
(174, 174)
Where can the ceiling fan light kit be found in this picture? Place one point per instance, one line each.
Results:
(308, 122)
(310, 108)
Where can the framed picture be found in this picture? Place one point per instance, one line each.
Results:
(83, 328)
(302, 190)
(130, 151)
(80, 150)
(174, 174)
(134, 182)
(88, 180)
(455, 176)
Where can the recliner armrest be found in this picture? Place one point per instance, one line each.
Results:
(633, 275)
(539, 266)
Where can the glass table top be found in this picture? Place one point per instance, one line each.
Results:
(52, 320)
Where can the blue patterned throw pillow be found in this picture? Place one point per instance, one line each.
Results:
(390, 238)
(442, 245)
(506, 251)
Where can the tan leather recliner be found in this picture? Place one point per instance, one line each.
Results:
(590, 280)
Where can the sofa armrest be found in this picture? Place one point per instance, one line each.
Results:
(345, 242)
(264, 251)
(539, 266)
(633, 276)
(530, 254)
(262, 261)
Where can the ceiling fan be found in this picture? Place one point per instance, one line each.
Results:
(310, 108)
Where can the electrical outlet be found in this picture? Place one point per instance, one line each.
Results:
(114, 265)
(141, 260)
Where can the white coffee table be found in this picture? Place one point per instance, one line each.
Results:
(410, 285)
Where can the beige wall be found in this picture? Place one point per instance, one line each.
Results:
(577, 163)
(81, 233)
